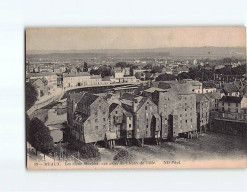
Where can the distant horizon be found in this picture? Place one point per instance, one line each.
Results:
(137, 49)
(132, 38)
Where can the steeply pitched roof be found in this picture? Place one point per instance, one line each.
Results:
(231, 99)
(142, 102)
(229, 88)
(214, 95)
(76, 96)
(88, 99)
(80, 117)
(112, 107)
(200, 96)
(128, 96)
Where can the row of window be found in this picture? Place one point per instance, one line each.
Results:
(186, 121)
(229, 104)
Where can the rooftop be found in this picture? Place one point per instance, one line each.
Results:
(231, 99)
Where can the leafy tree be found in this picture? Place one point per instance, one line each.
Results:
(166, 77)
(43, 141)
(27, 124)
(132, 68)
(183, 75)
(148, 66)
(31, 95)
(103, 70)
(39, 136)
(85, 68)
(89, 151)
(122, 64)
(138, 75)
(157, 69)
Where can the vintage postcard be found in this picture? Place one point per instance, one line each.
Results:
(136, 98)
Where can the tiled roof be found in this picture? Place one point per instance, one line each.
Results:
(87, 99)
(76, 74)
(199, 97)
(112, 107)
(128, 96)
(215, 95)
(229, 88)
(80, 117)
(231, 99)
(76, 96)
(153, 89)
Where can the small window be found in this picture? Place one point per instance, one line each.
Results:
(146, 126)
(146, 107)
(104, 112)
(116, 112)
(191, 120)
(129, 125)
(186, 121)
(103, 119)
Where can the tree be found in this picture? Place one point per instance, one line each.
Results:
(39, 136)
(89, 151)
(43, 141)
(183, 75)
(157, 69)
(27, 124)
(148, 66)
(122, 64)
(166, 77)
(85, 68)
(31, 95)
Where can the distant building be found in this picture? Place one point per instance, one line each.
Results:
(230, 108)
(221, 79)
(213, 98)
(126, 71)
(118, 73)
(76, 79)
(230, 89)
(40, 87)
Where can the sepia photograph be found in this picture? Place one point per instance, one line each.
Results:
(135, 98)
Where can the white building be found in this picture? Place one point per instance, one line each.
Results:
(78, 79)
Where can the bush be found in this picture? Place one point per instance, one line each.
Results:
(123, 156)
(89, 151)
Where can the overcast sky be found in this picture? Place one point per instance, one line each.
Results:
(133, 38)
